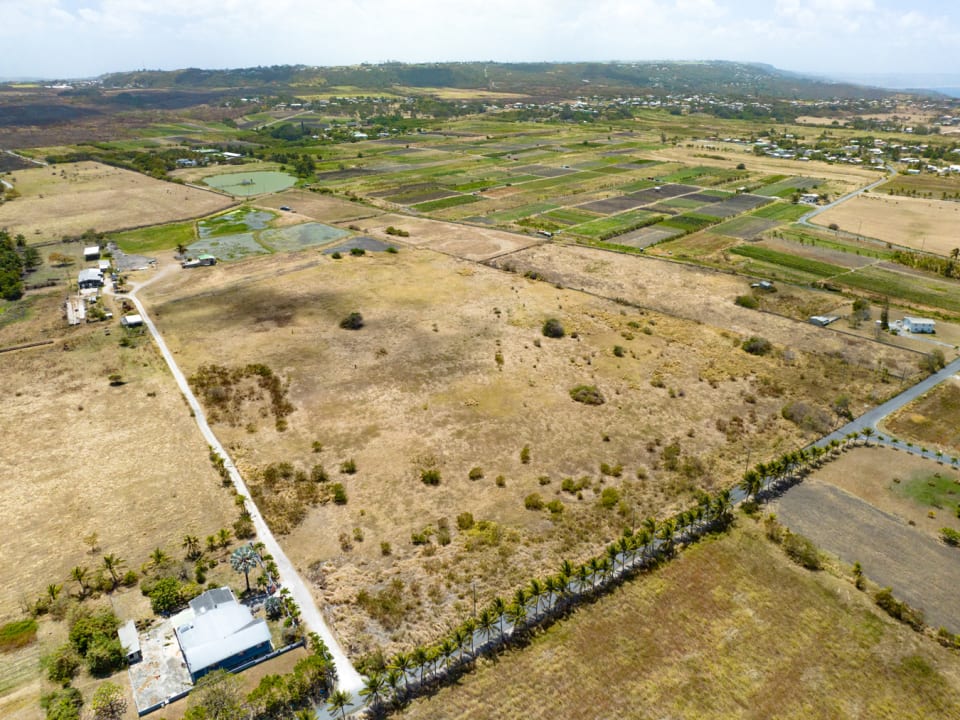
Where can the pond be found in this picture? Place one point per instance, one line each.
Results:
(251, 183)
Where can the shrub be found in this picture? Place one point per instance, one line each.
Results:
(475, 473)
(501, 481)
(587, 394)
(348, 467)
(430, 476)
(392, 250)
(950, 536)
(385, 548)
(62, 704)
(17, 634)
(273, 606)
(465, 521)
(807, 417)
(525, 455)
(62, 664)
(756, 345)
(533, 501)
(899, 610)
(609, 498)
(318, 473)
(802, 551)
(747, 301)
(555, 507)
(339, 494)
(165, 595)
(353, 321)
(336, 255)
(611, 470)
(553, 329)
(619, 351)
(357, 252)
(105, 656)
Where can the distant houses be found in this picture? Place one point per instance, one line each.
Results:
(918, 325)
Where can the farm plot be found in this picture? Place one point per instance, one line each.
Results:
(667, 646)
(543, 171)
(933, 420)
(569, 216)
(518, 213)
(237, 246)
(928, 225)
(645, 237)
(734, 206)
(782, 212)
(745, 228)
(921, 571)
(468, 242)
(614, 225)
(317, 206)
(298, 237)
(783, 188)
(70, 199)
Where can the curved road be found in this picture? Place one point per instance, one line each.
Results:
(805, 219)
(347, 676)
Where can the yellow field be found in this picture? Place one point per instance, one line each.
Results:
(928, 225)
(69, 199)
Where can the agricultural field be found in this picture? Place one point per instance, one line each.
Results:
(920, 224)
(885, 509)
(934, 187)
(70, 199)
(447, 386)
(732, 628)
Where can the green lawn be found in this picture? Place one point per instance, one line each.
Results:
(153, 239)
(936, 490)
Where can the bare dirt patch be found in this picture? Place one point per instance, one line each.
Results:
(69, 199)
(464, 241)
(317, 206)
(933, 420)
(922, 572)
(928, 225)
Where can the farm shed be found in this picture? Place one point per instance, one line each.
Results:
(919, 325)
(91, 253)
(130, 321)
(823, 320)
(130, 642)
(90, 278)
(217, 632)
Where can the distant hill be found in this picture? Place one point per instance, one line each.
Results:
(719, 77)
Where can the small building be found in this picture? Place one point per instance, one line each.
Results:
(130, 642)
(217, 631)
(809, 198)
(91, 253)
(762, 285)
(90, 278)
(919, 325)
(131, 321)
(200, 261)
(823, 320)
(103, 265)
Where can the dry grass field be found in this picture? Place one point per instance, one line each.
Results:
(933, 420)
(731, 629)
(928, 225)
(319, 207)
(78, 455)
(451, 372)
(69, 199)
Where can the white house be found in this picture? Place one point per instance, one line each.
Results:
(90, 278)
(216, 632)
(919, 325)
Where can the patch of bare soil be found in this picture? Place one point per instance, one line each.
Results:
(922, 571)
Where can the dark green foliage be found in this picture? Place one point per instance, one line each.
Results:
(63, 704)
(398, 232)
(619, 350)
(392, 250)
(611, 470)
(105, 656)
(465, 521)
(273, 607)
(609, 498)
(348, 467)
(357, 252)
(756, 345)
(87, 627)
(747, 301)
(553, 329)
(475, 473)
(899, 610)
(339, 494)
(950, 536)
(555, 507)
(430, 476)
(11, 268)
(587, 394)
(336, 255)
(166, 595)
(353, 321)
(525, 455)
(62, 664)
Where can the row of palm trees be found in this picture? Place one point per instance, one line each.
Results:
(540, 602)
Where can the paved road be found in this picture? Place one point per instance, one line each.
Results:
(347, 676)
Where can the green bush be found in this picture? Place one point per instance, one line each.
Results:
(63, 704)
(525, 455)
(430, 476)
(465, 521)
(611, 470)
(17, 634)
(353, 321)
(533, 501)
(587, 394)
(105, 656)
(348, 467)
(619, 351)
(555, 507)
(802, 551)
(339, 494)
(357, 252)
(165, 595)
(950, 536)
(757, 345)
(62, 664)
(475, 473)
(553, 329)
(747, 301)
(609, 498)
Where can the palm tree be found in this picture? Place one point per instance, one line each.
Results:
(446, 648)
(53, 591)
(181, 249)
(223, 537)
(79, 573)
(485, 622)
(667, 529)
(463, 634)
(552, 586)
(401, 664)
(594, 566)
(211, 543)
(867, 433)
(583, 574)
(191, 543)
(339, 699)
(113, 563)
(518, 615)
(420, 657)
(372, 687)
(520, 597)
(499, 609)
(536, 592)
(159, 558)
(392, 680)
(244, 559)
(751, 483)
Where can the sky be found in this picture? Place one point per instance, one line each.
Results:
(838, 38)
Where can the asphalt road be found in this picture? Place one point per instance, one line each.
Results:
(805, 219)
(347, 676)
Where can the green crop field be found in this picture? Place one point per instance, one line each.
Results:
(569, 216)
(445, 203)
(159, 237)
(929, 292)
(773, 257)
(616, 224)
(506, 216)
(690, 222)
(782, 211)
(931, 490)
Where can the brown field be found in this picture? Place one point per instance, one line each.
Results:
(79, 456)
(928, 225)
(419, 387)
(69, 199)
(933, 420)
(731, 629)
(315, 206)
(464, 241)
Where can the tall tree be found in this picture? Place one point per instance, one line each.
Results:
(108, 702)
(191, 543)
(372, 689)
(244, 559)
(79, 573)
(113, 563)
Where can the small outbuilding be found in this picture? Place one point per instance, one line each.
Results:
(90, 278)
(823, 320)
(91, 253)
(131, 321)
(130, 642)
(919, 325)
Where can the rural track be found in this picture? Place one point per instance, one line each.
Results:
(805, 219)
(348, 678)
